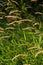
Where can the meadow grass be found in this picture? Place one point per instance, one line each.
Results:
(21, 35)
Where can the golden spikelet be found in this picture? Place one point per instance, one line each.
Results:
(12, 17)
(41, 5)
(1, 17)
(4, 37)
(33, 0)
(20, 21)
(1, 29)
(14, 11)
(12, 23)
(38, 13)
(26, 20)
(15, 2)
(36, 24)
(9, 28)
(19, 56)
(40, 52)
(1, 4)
(28, 6)
(8, 8)
(8, 0)
(41, 34)
(37, 31)
(2, 13)
(28, 28)
(35, 47)
(23, 45)
(26, 64)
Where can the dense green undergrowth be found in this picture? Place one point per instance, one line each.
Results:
(21, 33)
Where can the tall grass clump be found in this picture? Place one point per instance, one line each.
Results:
(21, 32)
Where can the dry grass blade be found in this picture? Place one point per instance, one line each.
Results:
(19, 56)
(38, 13)
(28, 6)
(1, 29)
(2, 13)
(14, 2)
(8, 0)
(35, 47)
(1, 4)
(1, 17)
(23, 45)
(14, 11)
(20, 21)
(26, 64)
(41, 34)
(12, 17)
(12, 23)
(41, 5)
(28, 28)
(33, 0)
(37, 31)
(4, 37)
(40, 52)
(36, 24)
(10, 28)
(26, 20)
(8, 8)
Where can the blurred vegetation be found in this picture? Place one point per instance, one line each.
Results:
(21, 32)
